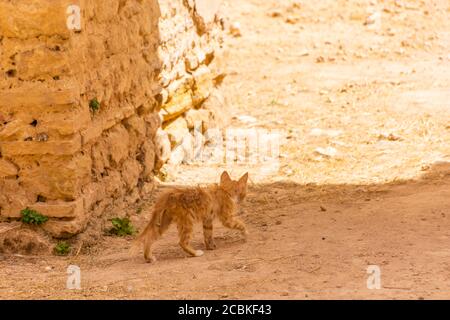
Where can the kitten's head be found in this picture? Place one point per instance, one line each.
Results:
(236, 189)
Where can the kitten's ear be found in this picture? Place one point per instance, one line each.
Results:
(244, 179)
(225, 177)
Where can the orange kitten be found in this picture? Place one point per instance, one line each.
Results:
(185, 206)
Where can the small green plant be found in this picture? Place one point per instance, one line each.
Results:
(274, 103)
(121, 227)
(32, 217)
(94, 105)
(139, 210)
(163, 174)
(62, 249)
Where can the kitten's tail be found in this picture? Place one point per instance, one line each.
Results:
(154, 229)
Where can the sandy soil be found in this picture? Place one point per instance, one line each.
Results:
(377, 95)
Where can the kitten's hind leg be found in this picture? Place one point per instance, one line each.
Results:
(208, 234)
(185, 232)
(148, 242)
(154, 232)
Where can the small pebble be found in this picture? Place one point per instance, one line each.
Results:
(235, 29)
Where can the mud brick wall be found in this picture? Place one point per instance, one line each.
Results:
(144, 61)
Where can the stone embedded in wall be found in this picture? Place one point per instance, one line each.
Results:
(180, 101)
(65, 229)
(60, 209)
(199, 117)
(207, 9)
(53, 176)
(7, 169)
(34, 18)
(63, 147)
(131, 172)
(36, 95)
(163, 148)
(204, 13)
(147, 159)
(177, 130)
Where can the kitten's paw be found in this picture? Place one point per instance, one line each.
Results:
(199, 253)
(211, 245)
(152, 259)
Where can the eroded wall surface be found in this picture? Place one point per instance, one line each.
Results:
(146, 64)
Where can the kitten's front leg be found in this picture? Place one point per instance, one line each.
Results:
(208, 234)
(235, 223)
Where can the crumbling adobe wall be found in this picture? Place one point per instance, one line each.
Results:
(144, 61)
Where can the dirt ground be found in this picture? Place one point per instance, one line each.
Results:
(368, 83)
